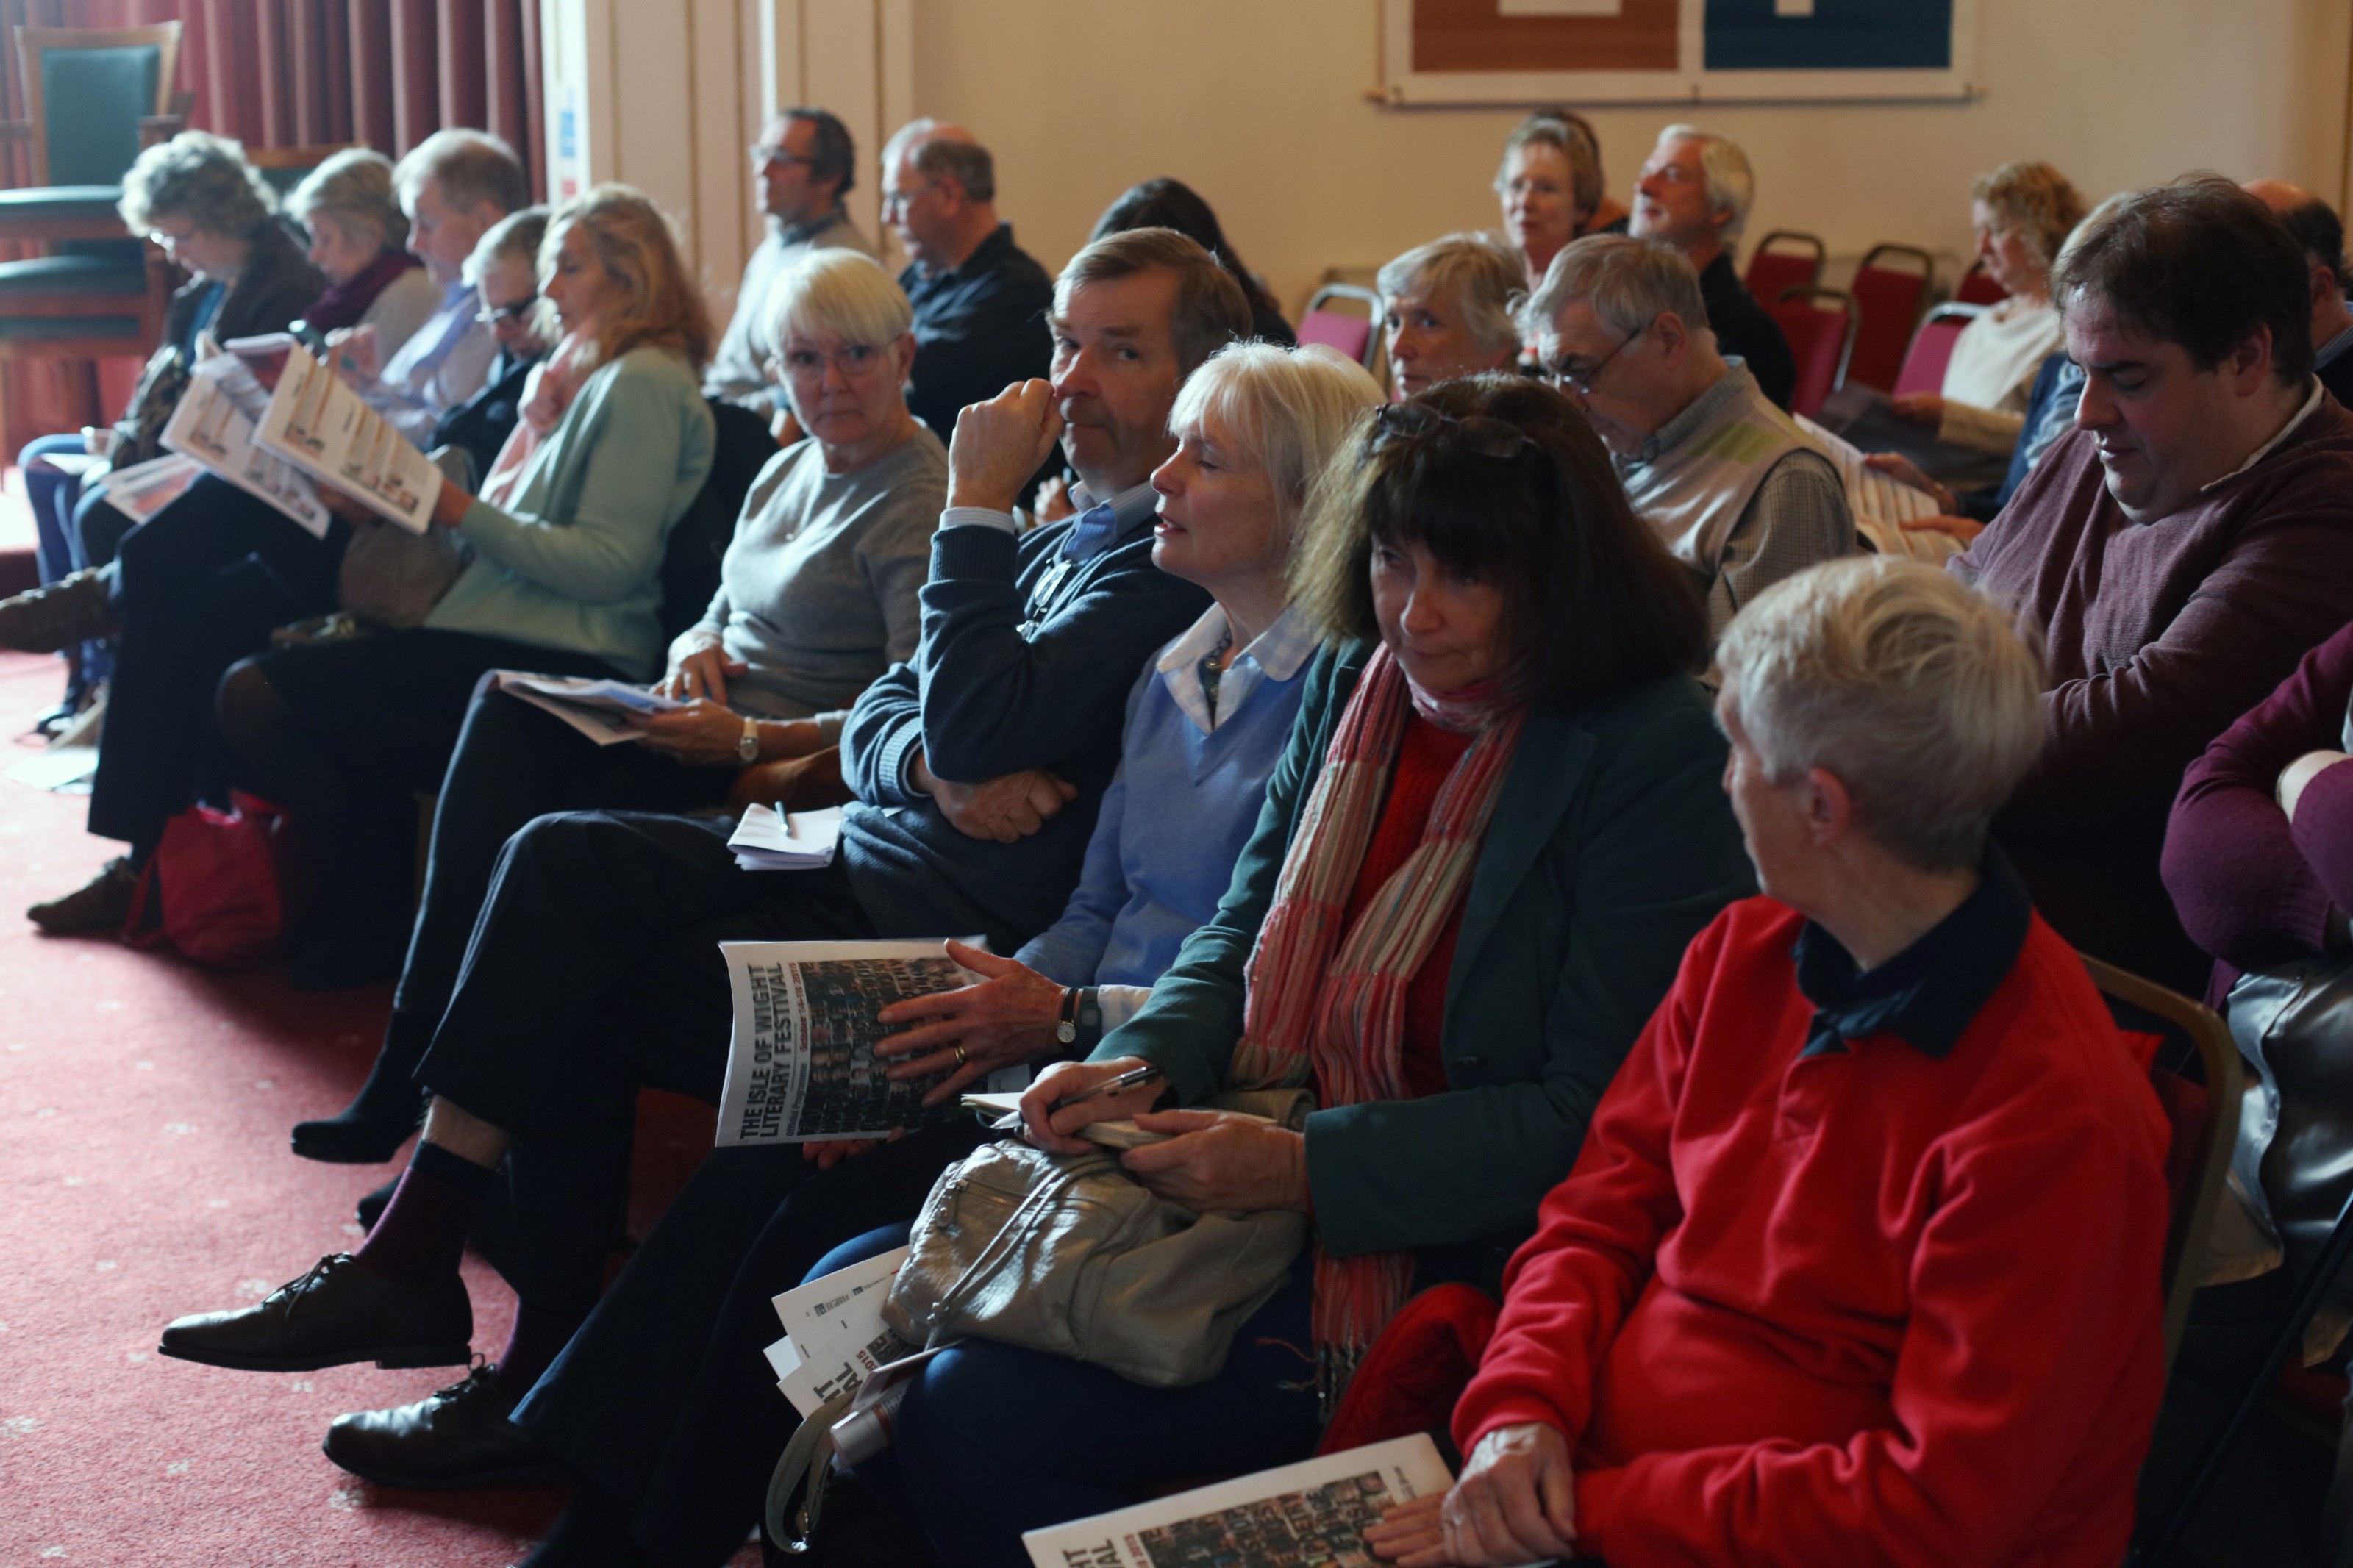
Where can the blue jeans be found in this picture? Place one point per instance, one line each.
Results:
(995, 1440)
(45, 488)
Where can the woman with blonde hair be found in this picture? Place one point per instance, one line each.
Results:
(560, 575)
(359, 238)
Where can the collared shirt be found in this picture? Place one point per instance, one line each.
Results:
(1927, 995)
(980, 326)
(2332, 351)
(1275, 654)
(2268, 448)
(442, 365)
(1128, 504)
(735, 373)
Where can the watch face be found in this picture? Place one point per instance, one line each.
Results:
(1066, 1031)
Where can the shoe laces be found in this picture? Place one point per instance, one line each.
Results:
(478, 1370)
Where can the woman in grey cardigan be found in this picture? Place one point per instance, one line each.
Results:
(816, 597)
(563, 577)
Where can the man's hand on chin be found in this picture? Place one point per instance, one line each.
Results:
(999, 444)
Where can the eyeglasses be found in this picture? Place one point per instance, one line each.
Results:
(852, 360)
(1580, 379)
(898, 201)
(1414, 421)
(762, 156)
(512, 310)
(164, 240)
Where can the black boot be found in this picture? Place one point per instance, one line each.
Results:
(388, 1108)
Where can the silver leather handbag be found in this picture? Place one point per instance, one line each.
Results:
(1071, 1255)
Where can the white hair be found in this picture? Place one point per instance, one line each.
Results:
(1477, 271)
(1730, 182)
(1919, 693)
(1628, 283)
(1287, 410)
(833, 292)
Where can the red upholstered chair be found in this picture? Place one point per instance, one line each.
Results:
(1888, 299)
(1819, 325)
(1351, 334)
(1932, 349)
(1784, 260)
(1978, 287)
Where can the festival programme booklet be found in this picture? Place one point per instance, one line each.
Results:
(320, 425)
(801, 1066)
(214, 424)
(1312, 1514)
(597, 708)
(834, 1333)
(1881, 503)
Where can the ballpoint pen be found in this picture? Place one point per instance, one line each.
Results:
(1131, 1079)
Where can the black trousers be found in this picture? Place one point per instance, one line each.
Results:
(202, 583)
(594, 971)
(366, 726)
(663, 1399)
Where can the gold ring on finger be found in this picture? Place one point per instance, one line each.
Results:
(959, 1053)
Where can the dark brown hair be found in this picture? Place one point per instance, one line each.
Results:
(2201, 263)
(1592, 601)
(1211, 311)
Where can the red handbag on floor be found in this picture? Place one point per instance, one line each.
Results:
(219, 886)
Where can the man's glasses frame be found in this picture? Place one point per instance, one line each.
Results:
(512, 310)
(1581, 380)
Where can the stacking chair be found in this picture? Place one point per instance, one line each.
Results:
(1821, 325)
(1352, 335)
(94, 97)
(1888, 300)
(1932, 348)
(1784, 260)
(1978, 287)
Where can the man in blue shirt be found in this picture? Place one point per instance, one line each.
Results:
(2321, 232)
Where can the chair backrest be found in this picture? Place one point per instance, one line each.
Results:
(2198, 1082)
(741, 448)
(283, 168)
(1819, 325)
(1978, 287)
(1784, 260)
(1932, 348)
(86, 91)
(1351, 335)
(1887, 302)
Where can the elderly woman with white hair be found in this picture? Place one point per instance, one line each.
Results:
(816, 597)
(1446, 312)
(1860, 1259)
(663, 1401)
(359, 238)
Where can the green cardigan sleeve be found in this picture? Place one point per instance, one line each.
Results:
(625, 440)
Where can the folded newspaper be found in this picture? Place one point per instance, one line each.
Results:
(1313, 1513)
(214, 424)
(767, 839)
(321, 427)
(801, 1066)
(599, 709)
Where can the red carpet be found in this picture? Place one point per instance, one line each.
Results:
(145, 1174)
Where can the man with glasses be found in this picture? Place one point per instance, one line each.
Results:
(1740, 494)
(804, 164)
(1694, 194)
(980, 301)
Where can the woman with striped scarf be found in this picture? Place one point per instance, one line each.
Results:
(1496, 827)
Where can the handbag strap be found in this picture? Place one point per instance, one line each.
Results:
(802, 1470)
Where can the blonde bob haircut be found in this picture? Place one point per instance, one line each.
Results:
(1284, 411)
(1477, 271)
(353, 191)
(659, 305)
(833, 293)
(1919, 693)
(2033, 201)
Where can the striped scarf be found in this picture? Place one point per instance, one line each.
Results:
(1329, 1003)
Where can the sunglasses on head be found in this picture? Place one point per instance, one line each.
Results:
(1414, 421)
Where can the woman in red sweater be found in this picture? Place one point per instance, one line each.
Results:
(1859, 1260)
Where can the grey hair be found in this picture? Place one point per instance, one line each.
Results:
(1286, 411)
(353, 187)
(1917, 692)
(1628, 283)
(1573, 139)
(1730, 182)
(516, 237)
(201, 177)
(1477, 271)
(469, 167)
(836, 293)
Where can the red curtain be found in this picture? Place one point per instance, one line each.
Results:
(294, 73)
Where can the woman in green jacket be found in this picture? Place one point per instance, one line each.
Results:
(563, 576)
(1496, 827)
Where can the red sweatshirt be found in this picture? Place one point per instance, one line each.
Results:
(1866, 1304)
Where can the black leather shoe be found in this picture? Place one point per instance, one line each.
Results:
(335, 1314)
(458, 1436)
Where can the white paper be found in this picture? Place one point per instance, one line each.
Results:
(767, 839)
(835, 1327)
(78, 463)
(1313, 1513)
(594, 707)
(142, 489)
(211, 423)
(327, 430)
(783, 1355)
(1883, 504)
(801, 1065)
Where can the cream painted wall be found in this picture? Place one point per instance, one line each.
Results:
(1260, 105)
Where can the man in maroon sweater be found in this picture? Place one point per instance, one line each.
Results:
(1859, 1262)
(2183, 546)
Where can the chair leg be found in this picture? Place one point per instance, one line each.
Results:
(2308, 1296)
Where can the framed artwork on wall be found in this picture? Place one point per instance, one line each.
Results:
(1670, 51)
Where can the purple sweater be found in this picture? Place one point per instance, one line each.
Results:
(2253, 889)
(2161, 635)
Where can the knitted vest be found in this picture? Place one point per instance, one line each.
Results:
(1692, 492)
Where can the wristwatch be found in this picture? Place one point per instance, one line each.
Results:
(1066, 1028)
(747, 745)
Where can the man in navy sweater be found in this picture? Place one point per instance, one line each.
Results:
(594, 969)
